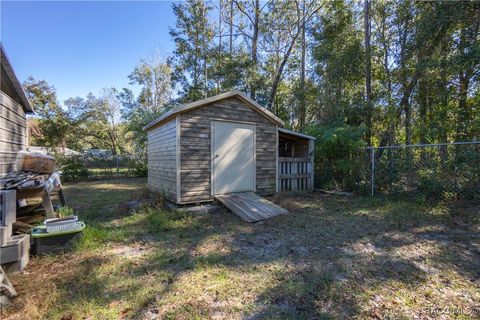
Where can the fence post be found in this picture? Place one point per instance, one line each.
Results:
(372, 174)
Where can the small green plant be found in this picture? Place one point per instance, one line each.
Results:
(65, 212)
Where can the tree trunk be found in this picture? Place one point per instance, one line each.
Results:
(422, 109)
(303, 104)
(256, 23)
(279, 72)
(463, 112)
(368, 74)
(219, 60)
(443, 114)
(204, 50)
(463, 84)
(230, 29)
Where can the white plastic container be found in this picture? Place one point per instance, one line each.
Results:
(61, 224)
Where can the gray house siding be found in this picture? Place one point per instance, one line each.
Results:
(162, 159)
(13, 132)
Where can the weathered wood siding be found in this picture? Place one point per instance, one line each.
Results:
(13, 132)
(162, 159)
(195, 154)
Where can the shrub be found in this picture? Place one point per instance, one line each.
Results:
(138, 162)
(339, 157)
(72, 167)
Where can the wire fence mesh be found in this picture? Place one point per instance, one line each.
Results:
(441, 171)
(112, 166)
(81, 167)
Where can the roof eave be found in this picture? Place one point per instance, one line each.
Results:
(14, 81)
(298, 134)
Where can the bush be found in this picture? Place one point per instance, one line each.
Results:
(138, 162)
(72, 167)
(339, 157)
(139, 168)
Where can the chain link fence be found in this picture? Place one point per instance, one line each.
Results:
(440, 171)
(112, 166)
(84, 167)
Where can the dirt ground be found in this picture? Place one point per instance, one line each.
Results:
(332, 257)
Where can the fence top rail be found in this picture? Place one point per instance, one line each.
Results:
(423, 145)
(289, 159)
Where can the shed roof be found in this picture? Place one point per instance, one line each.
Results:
(15, 84)
(297, 134)
(231, 94)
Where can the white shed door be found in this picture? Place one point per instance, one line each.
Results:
(233, 157)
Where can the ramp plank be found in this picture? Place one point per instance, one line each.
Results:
(250, 206)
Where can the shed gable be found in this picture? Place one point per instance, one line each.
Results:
(211, 101)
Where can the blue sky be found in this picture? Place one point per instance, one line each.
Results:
(81, 47)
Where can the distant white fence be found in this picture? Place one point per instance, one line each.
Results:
(294, 174)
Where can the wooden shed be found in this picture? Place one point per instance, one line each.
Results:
(225, 144)
(13, 122)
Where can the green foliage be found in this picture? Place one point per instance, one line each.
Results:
(154, 77)
(98, 120)
(72, 167)
(65, 212)
(338, 156)
(138, 164)
(192, 57)
(52, 126)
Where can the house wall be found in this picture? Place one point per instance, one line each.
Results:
(13, 132)
(195, 141)
(162, 159)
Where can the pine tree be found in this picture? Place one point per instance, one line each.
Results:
(192, 58)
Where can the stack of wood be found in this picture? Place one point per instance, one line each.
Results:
(36, 176)
(28, 183)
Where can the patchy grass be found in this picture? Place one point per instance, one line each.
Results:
(331, 257)
(110, 172)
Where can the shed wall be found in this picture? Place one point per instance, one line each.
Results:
(13, 132)
(162, 159)
(195, 143)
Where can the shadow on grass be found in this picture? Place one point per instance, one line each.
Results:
(331, 251)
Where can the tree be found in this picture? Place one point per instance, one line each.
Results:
(376, 65)
(153, 75)
(293, 28)
(250, 29)
(51, 126)
(98, 120)
(368, 73)
(338, 58)
(192, 56)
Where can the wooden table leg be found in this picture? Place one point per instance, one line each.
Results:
(61, 196)
(6, 284)
(47, 205)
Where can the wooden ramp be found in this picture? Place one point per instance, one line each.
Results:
(250, 206)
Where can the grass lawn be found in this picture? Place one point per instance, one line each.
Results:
(331, 257)
(110, 172)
